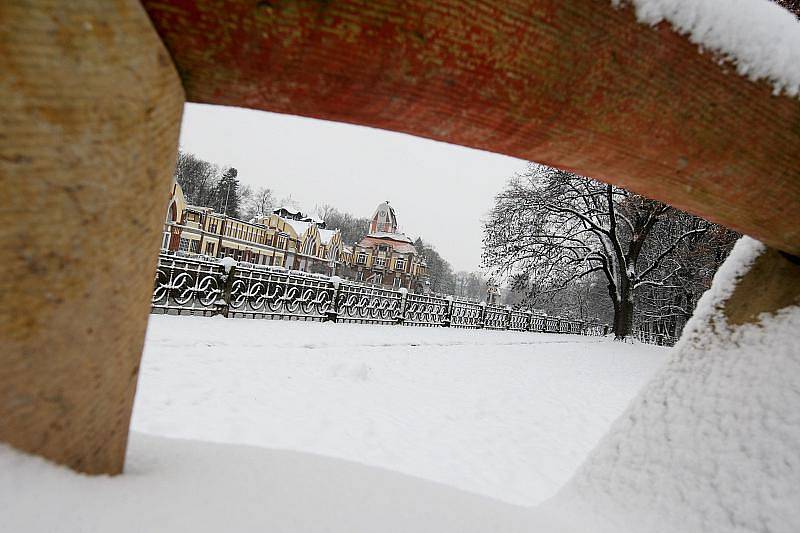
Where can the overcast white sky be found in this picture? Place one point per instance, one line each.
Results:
(439, 191)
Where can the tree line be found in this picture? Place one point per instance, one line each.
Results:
(206, 184)
(580, 247)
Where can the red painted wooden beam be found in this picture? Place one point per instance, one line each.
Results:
(578, 85)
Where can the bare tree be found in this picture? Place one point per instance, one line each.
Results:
(260, 202)
(325, 211)
(666, 308)
(353, 228)
(472, 285)
(549, 228)
(198, 178)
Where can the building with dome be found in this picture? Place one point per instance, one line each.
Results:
(386, 256)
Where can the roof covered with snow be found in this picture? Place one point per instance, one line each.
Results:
(289, 210)
(401, 237)
(299, 226)
(398, 241)
(325, 235)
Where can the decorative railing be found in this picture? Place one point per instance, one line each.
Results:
(426, 310)
(357, 302)
(466, 314)
(193, 285)
(653, 337)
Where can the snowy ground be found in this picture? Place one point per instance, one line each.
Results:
(453, 429)
(508, 415)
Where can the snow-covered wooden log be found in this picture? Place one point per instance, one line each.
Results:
(581, 85)
(90, 107)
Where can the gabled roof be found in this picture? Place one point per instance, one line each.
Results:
(299, 226)
(325, 235)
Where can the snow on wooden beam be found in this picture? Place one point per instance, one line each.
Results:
(90, 107)
(580, 85)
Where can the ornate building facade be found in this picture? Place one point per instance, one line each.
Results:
(388, 257)
(286, 238)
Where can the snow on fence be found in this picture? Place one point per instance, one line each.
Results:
(196, 285)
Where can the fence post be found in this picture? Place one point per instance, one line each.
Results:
(605, 330)
(333, 313)
(483, 315)
(508, 317)
(401, 315)
(530, 322)
(448, 315)
(223, 303)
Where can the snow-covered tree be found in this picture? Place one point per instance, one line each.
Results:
(549, 228)
(197, 177)
(260, 202)
(440, 272)
(472, 285)
(666, 308)
(227, 194)
(353, 228)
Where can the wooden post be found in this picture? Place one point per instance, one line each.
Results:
(90, 107)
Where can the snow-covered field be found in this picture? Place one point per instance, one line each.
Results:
(454, 429)
(504, 414)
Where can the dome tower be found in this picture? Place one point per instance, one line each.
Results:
(384, 220)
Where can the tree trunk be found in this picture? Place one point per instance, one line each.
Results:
(623, 311)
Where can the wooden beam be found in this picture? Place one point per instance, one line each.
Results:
(90, 107)
(579, 85)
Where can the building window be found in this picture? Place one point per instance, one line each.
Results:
(397, 282)
(212, 227)
(165, 242)
(359, 276)
(194, 247)
(362, 259)
(380, 262)
(209, 248)
(183, 245)
(377, 279)
(400, 264)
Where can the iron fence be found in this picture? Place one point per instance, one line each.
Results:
(195, 285)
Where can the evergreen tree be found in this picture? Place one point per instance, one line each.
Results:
(226, 194)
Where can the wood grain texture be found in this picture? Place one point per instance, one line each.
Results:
(90, 108)
(771, 284)
(578, 85)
